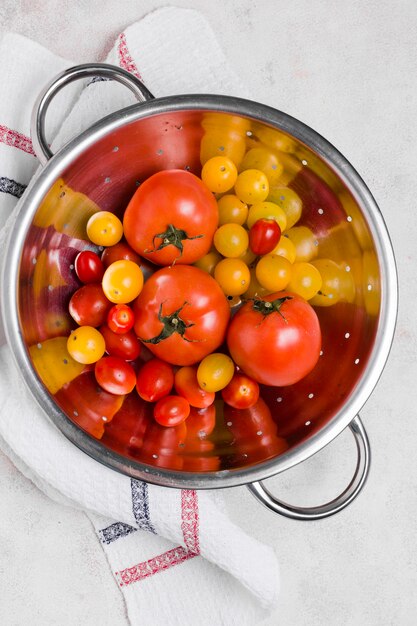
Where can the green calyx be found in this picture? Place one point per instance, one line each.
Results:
(172, 237)
(266, 308)
(171, 324)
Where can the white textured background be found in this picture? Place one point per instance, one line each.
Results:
(349, 71)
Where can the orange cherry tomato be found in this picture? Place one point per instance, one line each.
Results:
(242, 392)
(186, 385)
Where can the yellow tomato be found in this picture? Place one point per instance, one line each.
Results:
(86, 345)
(267, 210)
(305, 242)
(289, 201)
(285, 248)
(231, 240)
(264, 160)
(255, 289)
(248, 256)
(232, 210)
(215, 372)
(104, 229)
(208, 262)
(219, 174)
(233, 276)
(273, 272)
(305, 280)
(252, 186)
(122, 281)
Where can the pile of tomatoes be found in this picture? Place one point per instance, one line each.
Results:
(198, 291)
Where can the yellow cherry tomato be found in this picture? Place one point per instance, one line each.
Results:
(232, 210)
(231, 240)
(208, 262)
(215, 371)
(273, 272)
(264, 160)
(285, 248)
(289, 201)
(86, 345)
(255, 289)
(248, 256)
(104, 228)
(305, 242)
(233, 276)
(267, 210)
(219, 174)
(305, 280)
(252, 186)
(122, 281)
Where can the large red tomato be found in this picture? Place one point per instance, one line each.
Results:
(171, 218)
(181, 314)
(275, 340)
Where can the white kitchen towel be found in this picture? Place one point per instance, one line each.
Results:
(175, 555)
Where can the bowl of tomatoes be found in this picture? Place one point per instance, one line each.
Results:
(200, 291)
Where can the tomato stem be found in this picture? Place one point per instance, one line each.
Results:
(266, 308)
(171, 324)
(171, 237)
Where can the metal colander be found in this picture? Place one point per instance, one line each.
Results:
(100, 170)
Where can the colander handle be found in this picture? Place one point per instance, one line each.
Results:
(40, 145)
(334, 506)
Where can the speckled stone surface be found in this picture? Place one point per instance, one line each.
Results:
(349, 71)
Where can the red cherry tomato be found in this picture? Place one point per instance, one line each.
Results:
(115, 375)
(89, 306)
(242, 392)
(155, 380)
(119, 252)
(120, 319)
(276, 340)
(89, 267)
(186, 385)
(126, 346)
(264, 236)
(171, 218)
(171, 410)
(181, 314)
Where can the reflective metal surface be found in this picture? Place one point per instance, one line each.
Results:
(299, 513)
(101, 170)
(78, 72)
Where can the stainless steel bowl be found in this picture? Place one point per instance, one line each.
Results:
(101, 169)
